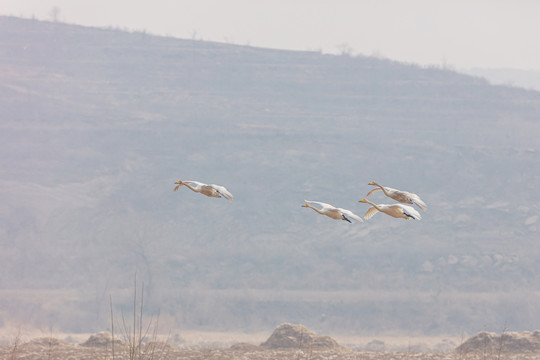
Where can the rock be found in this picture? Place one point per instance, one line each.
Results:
(102, 339)
(289, 336)
(508, 342)
(376, 345)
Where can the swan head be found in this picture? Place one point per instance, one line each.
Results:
(363, 200)
(372, 183)
(305, 205)
(179, 182)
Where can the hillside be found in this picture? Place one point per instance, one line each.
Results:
(97, 125)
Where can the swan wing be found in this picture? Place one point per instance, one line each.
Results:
(407, 197)
(223, 192)
(417, 201)
(370, 213)
(351, 214)
(409, 211)
(373, 191)
(401, 196)
(324, 205)
(192, 182)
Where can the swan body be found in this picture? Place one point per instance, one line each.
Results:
(211, 190)
(399, 195)
(395, 210)
(333, 212)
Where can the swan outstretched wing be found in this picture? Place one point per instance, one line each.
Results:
(370, 213)
(351, 214)
(223, 192)
(195, 182)
(417, 201)
(324, 205)
(373, 191)
(410, 212)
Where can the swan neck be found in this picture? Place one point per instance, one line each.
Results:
(374, 205)
(383, 189)
(317, 210)
(189, 187)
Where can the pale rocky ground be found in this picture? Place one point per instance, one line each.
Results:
(286, 342)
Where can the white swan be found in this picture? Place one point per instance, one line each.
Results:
(211, 190)
(398, 195)
(333, 212)
(395, 210)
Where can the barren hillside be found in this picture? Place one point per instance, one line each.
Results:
(97, 125)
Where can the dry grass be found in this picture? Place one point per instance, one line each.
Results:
(135, 332)
(48, 348)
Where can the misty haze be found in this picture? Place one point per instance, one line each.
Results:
(97, 125)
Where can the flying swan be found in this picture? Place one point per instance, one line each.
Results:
(205, 189)
(398, 195)
(395, 210)
(333, 212)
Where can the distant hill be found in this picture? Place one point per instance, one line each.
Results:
(97, 125)
(528, 79)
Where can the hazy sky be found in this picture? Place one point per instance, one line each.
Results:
(457, 33)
